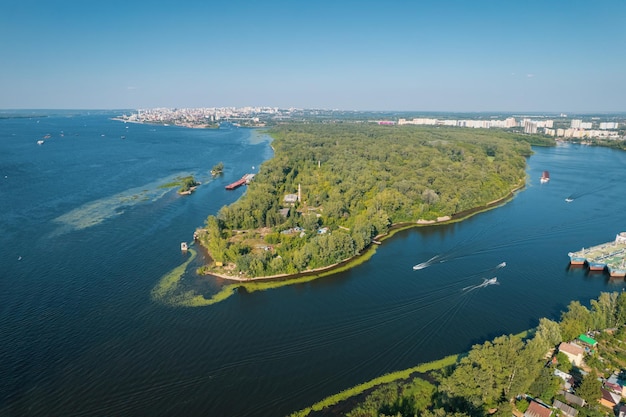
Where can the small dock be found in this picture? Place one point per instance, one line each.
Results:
(610, 256)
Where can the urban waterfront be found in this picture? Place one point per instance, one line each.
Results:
(87, 232)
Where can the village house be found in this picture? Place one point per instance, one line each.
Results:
(565, 410)
(537, 410)
(568, 380)
(573, 399)
(609, 399)
(617, 384)
(587, 341)
(573, 352)
(290, 198)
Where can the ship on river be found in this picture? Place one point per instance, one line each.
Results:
(243, 180)
(545, 177)
(610, 256)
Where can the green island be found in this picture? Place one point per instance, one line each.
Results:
(217, 169)
(334, 190)
(509, 374)
(187, 184)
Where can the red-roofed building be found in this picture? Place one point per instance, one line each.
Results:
(537, 410)
(609, 399)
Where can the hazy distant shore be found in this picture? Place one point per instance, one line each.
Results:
(169, 123)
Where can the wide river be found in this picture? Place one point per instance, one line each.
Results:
(87, 231)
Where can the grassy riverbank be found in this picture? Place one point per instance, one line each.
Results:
(385, 379)
(353, 393)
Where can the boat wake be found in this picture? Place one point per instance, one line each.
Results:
(486, 282)
(435, 259)
(594, 189)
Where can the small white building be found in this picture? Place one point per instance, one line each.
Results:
(290, 198)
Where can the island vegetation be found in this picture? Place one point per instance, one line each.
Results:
(502, 377)
(187, 184)
(217, 169)
(331, 189)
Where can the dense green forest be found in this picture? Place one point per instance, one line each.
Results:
(355, 181)
(497, 376)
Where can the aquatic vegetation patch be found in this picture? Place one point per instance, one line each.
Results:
(95, 212)
(168, 291)
(168, 284)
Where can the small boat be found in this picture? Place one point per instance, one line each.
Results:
(183, 246)
(429, 262)
(545, 177)
(40, 142)
(569, 200)
(491, 281)
(501, 265)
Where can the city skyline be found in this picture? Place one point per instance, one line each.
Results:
(445, 56)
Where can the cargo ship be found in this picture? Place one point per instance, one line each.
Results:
(610, 256)
(545, 177)
(243, 180)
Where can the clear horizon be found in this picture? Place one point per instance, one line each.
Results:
(450, 56)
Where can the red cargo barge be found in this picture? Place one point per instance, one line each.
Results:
(243, 180)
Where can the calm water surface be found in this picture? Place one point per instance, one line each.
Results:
(86, 233)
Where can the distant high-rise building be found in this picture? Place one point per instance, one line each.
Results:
(530, 126)
(510, 122)
(609, 125)
(576, 123)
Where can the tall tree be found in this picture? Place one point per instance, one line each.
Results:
(489, 372)
(549, 331)
(590, 389)
(604, 310)
(576, 320)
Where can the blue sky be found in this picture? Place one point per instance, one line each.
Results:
(561, 55)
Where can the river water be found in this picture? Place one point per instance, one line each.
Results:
(87, 231)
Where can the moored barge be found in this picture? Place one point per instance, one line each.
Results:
(610, 256)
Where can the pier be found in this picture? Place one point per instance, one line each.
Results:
(610, 256)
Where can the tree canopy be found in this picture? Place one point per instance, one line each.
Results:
(356, 180)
